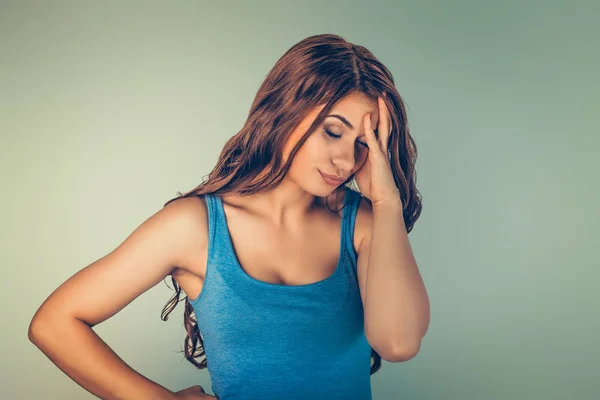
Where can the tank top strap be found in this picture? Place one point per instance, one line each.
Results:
(214, 219)
(351, 203)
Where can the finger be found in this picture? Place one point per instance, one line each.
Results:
(372, 141)
(384, 127)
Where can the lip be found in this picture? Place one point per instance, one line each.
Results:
(331, 180)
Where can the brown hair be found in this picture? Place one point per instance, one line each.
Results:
(319, 69)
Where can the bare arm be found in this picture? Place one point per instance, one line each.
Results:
(62, 326)
(81, 354)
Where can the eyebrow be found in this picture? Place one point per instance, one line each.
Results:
(344, 120)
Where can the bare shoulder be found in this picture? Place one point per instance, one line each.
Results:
(192, 213)
(192, 209)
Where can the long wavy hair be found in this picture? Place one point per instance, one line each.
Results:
(320, 69)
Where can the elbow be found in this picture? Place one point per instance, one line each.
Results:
(35, 326)
(400, 353)
(394, 350)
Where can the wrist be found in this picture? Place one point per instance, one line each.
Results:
(393, 204)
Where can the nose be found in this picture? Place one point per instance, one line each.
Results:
(345, 158)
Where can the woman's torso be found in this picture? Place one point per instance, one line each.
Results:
(280, 313)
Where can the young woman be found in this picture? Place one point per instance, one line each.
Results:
(294, 280)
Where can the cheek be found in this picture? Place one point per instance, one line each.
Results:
(313, 150)
(293, 140)
(306, 158)
(361, 154)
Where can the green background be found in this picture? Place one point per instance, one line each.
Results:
(109, 108)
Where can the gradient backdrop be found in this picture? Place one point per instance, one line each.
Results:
(108, 108)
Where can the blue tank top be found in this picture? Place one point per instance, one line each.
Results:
(266, 341)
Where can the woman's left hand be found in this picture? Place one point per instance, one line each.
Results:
(375, 179)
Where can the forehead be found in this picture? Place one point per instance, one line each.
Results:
(354, 106)
(356, 102)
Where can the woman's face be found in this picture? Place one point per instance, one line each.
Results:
(321, 153)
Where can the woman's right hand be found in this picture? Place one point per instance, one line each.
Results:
(195, 392)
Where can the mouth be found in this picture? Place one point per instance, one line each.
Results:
(331, 180)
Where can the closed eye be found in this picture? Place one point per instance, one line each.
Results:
(334, 136)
